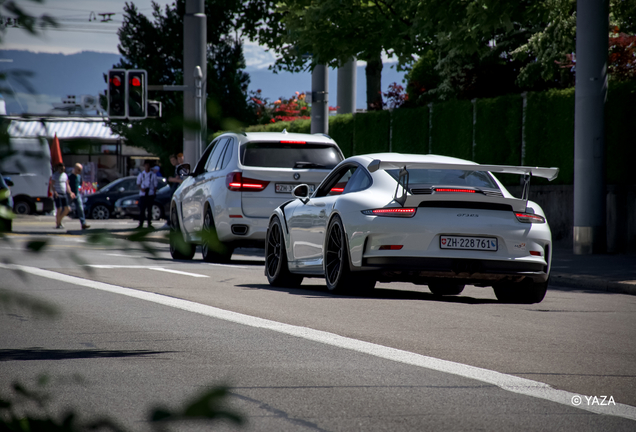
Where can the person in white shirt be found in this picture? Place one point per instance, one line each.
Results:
(147, 183)
(61, 191)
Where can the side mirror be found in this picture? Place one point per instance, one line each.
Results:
(122, 189)
(301, 191)
(8, 181)
(183, 170)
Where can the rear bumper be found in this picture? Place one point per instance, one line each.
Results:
(485, 272)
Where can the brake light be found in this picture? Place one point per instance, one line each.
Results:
(293, 142)
(236, 182)
(529, 218)
(392, 212)
(336, 190)
(454, 190)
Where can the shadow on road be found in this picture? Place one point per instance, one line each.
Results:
(52, 354)
(377, 293)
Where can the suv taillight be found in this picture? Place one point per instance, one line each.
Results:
(236, 182)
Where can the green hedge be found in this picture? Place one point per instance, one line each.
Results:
(341, 130)
(549, 133)
(452, 129)
(371, 132)
(410, 130)
(620, 136)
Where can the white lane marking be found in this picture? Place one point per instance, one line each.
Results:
(227, 265)
(114, 266)
(125, 256)
(506, 382)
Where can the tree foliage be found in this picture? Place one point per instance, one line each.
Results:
(156, 45)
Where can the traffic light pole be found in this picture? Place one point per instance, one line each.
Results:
(194, 54)
(589, 131)
(319, 99)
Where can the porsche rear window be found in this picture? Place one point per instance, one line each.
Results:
(444, 177)
(277, 155)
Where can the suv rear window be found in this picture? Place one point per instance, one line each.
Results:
(277, 155)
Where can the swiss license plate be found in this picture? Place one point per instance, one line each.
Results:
(289, 187)
(468, 243)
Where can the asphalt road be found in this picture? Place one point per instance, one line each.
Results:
(374, 370)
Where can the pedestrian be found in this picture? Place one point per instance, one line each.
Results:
(147, 183)
(75, 180)
(157, 171)
(61, 191)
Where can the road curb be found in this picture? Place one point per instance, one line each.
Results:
(593, 283)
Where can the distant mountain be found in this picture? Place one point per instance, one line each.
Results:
(58, 75)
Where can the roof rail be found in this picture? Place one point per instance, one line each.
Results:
(323, 134)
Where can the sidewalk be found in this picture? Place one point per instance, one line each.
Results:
(609, 273)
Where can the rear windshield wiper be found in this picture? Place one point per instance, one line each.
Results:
(301, 164)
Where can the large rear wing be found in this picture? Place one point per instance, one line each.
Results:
(548, 173)
(403, 179)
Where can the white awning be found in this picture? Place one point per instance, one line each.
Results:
(65, 129)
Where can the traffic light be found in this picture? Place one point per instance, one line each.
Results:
(117, 94)
(137, 92)
(154, 109)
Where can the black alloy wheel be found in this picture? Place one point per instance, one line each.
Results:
(212, 249)
(338, 274)
(179, 248)
(446, 288)
(526, 292)
(100, 212)
(276, 268)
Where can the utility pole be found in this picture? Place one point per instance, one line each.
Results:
(592, 25)
(320, 99)
(347, 75)
(194, 55)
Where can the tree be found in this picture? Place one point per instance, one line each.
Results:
(157, 46)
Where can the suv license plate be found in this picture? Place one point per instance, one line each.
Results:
(468, 243)
(289, 187)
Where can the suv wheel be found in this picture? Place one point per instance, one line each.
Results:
(179, 248)
(213, 250)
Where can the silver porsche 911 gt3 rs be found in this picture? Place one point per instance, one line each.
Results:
(427, 219)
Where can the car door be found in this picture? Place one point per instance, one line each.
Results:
(308, 222)
(190, 187)
(201, 189)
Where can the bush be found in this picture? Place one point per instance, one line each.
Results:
(341, 130)
(371, 132)
(410, 130)
(620, 132)
(550, 133)
(452, 129)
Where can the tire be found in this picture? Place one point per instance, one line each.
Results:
(521, 293)
(213, 250)
(179, 248)
(156, 212)
(276, 268)
(338, 275)
(100, 212)
(446, 288)
(22, 207)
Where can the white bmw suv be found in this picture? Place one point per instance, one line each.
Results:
(226, 201)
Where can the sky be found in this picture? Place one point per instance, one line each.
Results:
(82, 29)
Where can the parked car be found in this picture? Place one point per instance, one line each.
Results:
(101, 204)
(239, 180)
(427, 219)
(29, 166)
(129, 206)
(6, 204)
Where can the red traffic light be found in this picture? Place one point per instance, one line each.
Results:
(136, 82)
(116, 81)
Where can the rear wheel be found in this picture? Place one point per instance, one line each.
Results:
(521, 293)
(445, 288)
(276, 268)
(22, 207)
(179, 248)
(100, 212)
(338, 274)
(212, 248)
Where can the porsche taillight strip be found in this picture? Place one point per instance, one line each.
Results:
(392, 212)
(529, 218)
